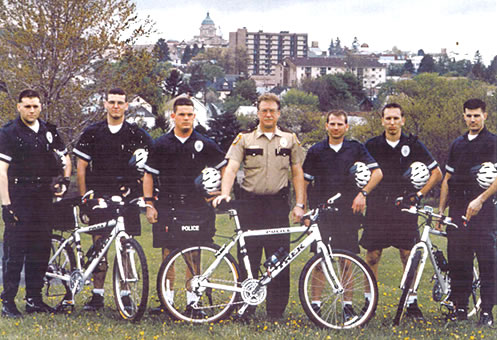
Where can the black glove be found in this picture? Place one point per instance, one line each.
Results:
(8, 214)
(60, 185)
(414, 199)
(84, 213)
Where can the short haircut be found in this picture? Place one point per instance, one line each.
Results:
(28, 93)
(474, 104)
(337, 113)
(182, 101)
(268, 97)
(118, 91)
(392, 106)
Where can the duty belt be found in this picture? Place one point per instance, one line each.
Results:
(182, 199)
(31, 180)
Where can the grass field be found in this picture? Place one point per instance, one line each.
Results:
(107, 324)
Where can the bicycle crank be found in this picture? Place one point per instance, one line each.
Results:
(252, 292)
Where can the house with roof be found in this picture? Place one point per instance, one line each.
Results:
(202, 112)
(140, 112)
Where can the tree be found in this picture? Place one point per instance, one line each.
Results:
(187, 55)
(427, 64)
(174, 83)
(224, 127)
(59, 47)
(421, 53)
(355, 45)
(161, 50)
(408, 67)
(331, 48)
(300, 98)
(478, 70)
(491, 73)
(195, 50)
(246, 89)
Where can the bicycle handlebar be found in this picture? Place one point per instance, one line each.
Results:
(427, 211)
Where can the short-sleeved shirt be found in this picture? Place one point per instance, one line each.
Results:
(177, 164)
(330, 170)
(266, 162)
(464, 155)
(30, 154)
(394, 162)
(109, 154)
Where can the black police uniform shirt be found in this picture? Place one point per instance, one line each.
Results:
(177, 164)
(109, 153)
(330, 171)
(30, 154)
(464, 155)
(394, 162)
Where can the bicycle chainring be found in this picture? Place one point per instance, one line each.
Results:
(76, 283)
(252, 292)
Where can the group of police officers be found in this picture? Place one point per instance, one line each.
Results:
(32, 154)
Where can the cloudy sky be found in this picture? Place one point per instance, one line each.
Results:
(462, 25)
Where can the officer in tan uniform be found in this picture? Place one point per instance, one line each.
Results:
(267, 155)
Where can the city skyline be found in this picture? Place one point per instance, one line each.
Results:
(456, 25)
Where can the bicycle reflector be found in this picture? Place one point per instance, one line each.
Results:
(361, 173)
(418, 174)
(208, 181)
(485, 174)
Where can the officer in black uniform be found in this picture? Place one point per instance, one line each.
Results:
(104, 151)
(28, 163)
(177, 158)
(327, 166)
(461, 192)
(386, 225)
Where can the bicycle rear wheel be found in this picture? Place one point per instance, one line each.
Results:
(180, 290)
(407, 287)
(55, 289)
(338, 309)
(131, 287)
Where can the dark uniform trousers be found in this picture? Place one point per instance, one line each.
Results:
(263, 212)
(28, 240)
(478, 237)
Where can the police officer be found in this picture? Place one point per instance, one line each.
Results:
(328, 167)
(104, 151)
(267, 154)
(461, 192)
(386, 225)
(28, 162)
(182, 216)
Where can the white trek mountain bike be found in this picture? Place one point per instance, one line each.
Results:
(67, 273)
(417, 260)
(208, 277)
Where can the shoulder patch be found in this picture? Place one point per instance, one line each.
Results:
(237, 139)
(296, 139)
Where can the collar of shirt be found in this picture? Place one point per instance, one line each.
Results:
(481, 133)
(259, 132)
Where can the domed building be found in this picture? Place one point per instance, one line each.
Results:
(209, 34)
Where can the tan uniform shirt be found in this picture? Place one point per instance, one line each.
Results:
(266, 162)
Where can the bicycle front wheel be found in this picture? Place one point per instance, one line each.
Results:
(474, 299)
(329, 307)
(180, 284)
(411, 274)
(131, 286)
(55, 289)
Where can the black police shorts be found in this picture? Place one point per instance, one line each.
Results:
(387, 226)
(131, 216)
(177, 228)
(341, 229)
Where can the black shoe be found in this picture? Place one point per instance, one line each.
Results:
(349, 313)
(96, 302)
(486, 319)
(9, 310)
(194, 312)
(157, 310)
(127, 303)
(459, 314)
(316, 308)
(413, 312)
(365, 307)
(36, 305)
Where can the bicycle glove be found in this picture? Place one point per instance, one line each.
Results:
(8, 214)
(413, 198)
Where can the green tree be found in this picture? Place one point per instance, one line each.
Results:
(223, 127)
(491, 72)
(187, 55)
(161, 50)
(60, 47)
(246, 89)
(300, 98)
(408, 67)
(174, 83)
(478, 69)
(427, 64)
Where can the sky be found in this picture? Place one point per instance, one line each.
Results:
(464, 26)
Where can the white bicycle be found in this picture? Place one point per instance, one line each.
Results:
(201, 284)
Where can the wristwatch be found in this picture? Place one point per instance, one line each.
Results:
(364, 193)
(300, 205)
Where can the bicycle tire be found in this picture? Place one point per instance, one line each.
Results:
(56, 290)
(175, 292)
(131, 292)
(407, 287)
(474, 298)
(357, 280)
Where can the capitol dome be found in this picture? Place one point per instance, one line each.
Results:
(207, 20)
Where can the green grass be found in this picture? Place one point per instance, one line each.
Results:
(107, 324)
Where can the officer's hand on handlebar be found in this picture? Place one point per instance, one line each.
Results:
(219, 199)
(60, 184)
(8, 214)
(212, 196)
(413, 199)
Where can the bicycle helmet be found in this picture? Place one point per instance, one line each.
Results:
(208, 181)
(418, 174)
(485, 174)
(361, 173)
(139, 159)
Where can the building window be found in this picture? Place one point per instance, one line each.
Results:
(322, 71)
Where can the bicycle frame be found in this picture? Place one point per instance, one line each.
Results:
(314, 235)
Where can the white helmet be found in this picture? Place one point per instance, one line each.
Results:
(486, 174)
(418, 174)
(209, 180)
(361, 173)
(139, 159)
